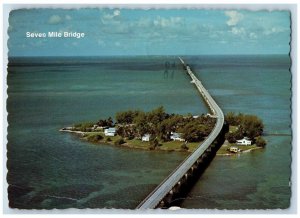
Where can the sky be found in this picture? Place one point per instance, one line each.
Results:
(110, 32)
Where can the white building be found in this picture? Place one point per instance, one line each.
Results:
(146, 138)
(234, 149)
(110, 132)
(176, 137)
(244, 141)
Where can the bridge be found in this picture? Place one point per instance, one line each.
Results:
(162, 194)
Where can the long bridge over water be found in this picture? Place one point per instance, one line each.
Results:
(164, 193)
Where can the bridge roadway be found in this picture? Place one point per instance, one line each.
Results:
(165, 187)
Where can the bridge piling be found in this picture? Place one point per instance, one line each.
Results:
(196, 174)
(180, 181)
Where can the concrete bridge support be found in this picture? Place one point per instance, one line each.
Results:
(182, 188)
(180, 181)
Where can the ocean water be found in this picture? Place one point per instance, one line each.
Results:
(49, 169)
(259, 85)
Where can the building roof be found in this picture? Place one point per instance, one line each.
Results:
(110, 130)
(246, 139)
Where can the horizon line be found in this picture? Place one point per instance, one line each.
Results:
(36, 56)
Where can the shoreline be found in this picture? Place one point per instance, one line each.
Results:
(245, 151)
(66, 129)
(131, 146)
(124, 145)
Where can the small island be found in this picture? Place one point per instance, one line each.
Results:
(158, 130)
(245, 134)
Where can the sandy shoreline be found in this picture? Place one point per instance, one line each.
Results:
(245, 151)
(68, 129)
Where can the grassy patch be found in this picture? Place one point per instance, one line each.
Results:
(193, 146)
(94, 138)
(138, 143)
(244, 147)
(223, 149)
(99, 137)
(171, 145)
(119, 141)
(233, 129)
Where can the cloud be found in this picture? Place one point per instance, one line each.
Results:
(238, 31)
(274, 30)
(55, 19)
(167, 22)
(143, 22)
(113, 23)
(68, 17)
(216, 34)
(116, 28)
(234, 17)
(252, 35)
(115, 14)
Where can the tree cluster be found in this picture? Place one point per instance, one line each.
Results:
(160, 124)
(248, 126)
(260, 141)
(84, 127)
(106, 122)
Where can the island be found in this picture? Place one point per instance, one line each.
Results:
(161, 131)
(245, 134)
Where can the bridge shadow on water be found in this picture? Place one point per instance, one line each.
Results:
(183, 188)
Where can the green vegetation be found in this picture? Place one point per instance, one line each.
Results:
(83, 127)
(260, 142)
(106, 123)
(132, 125)
(243, 125)
(158, 123)
(94, 137)
(99, 137)
(126, 117)
(119, 141)
(224, 150)
(193, 133)
(135, 124)
(184, 146)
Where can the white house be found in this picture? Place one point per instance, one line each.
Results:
(244, 141)
(176, 137)
(146, 138)
(110, 132)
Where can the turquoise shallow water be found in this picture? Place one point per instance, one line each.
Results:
(49, 169)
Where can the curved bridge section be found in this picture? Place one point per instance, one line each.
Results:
(160, 196)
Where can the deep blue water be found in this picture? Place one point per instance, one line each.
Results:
(50, 169)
